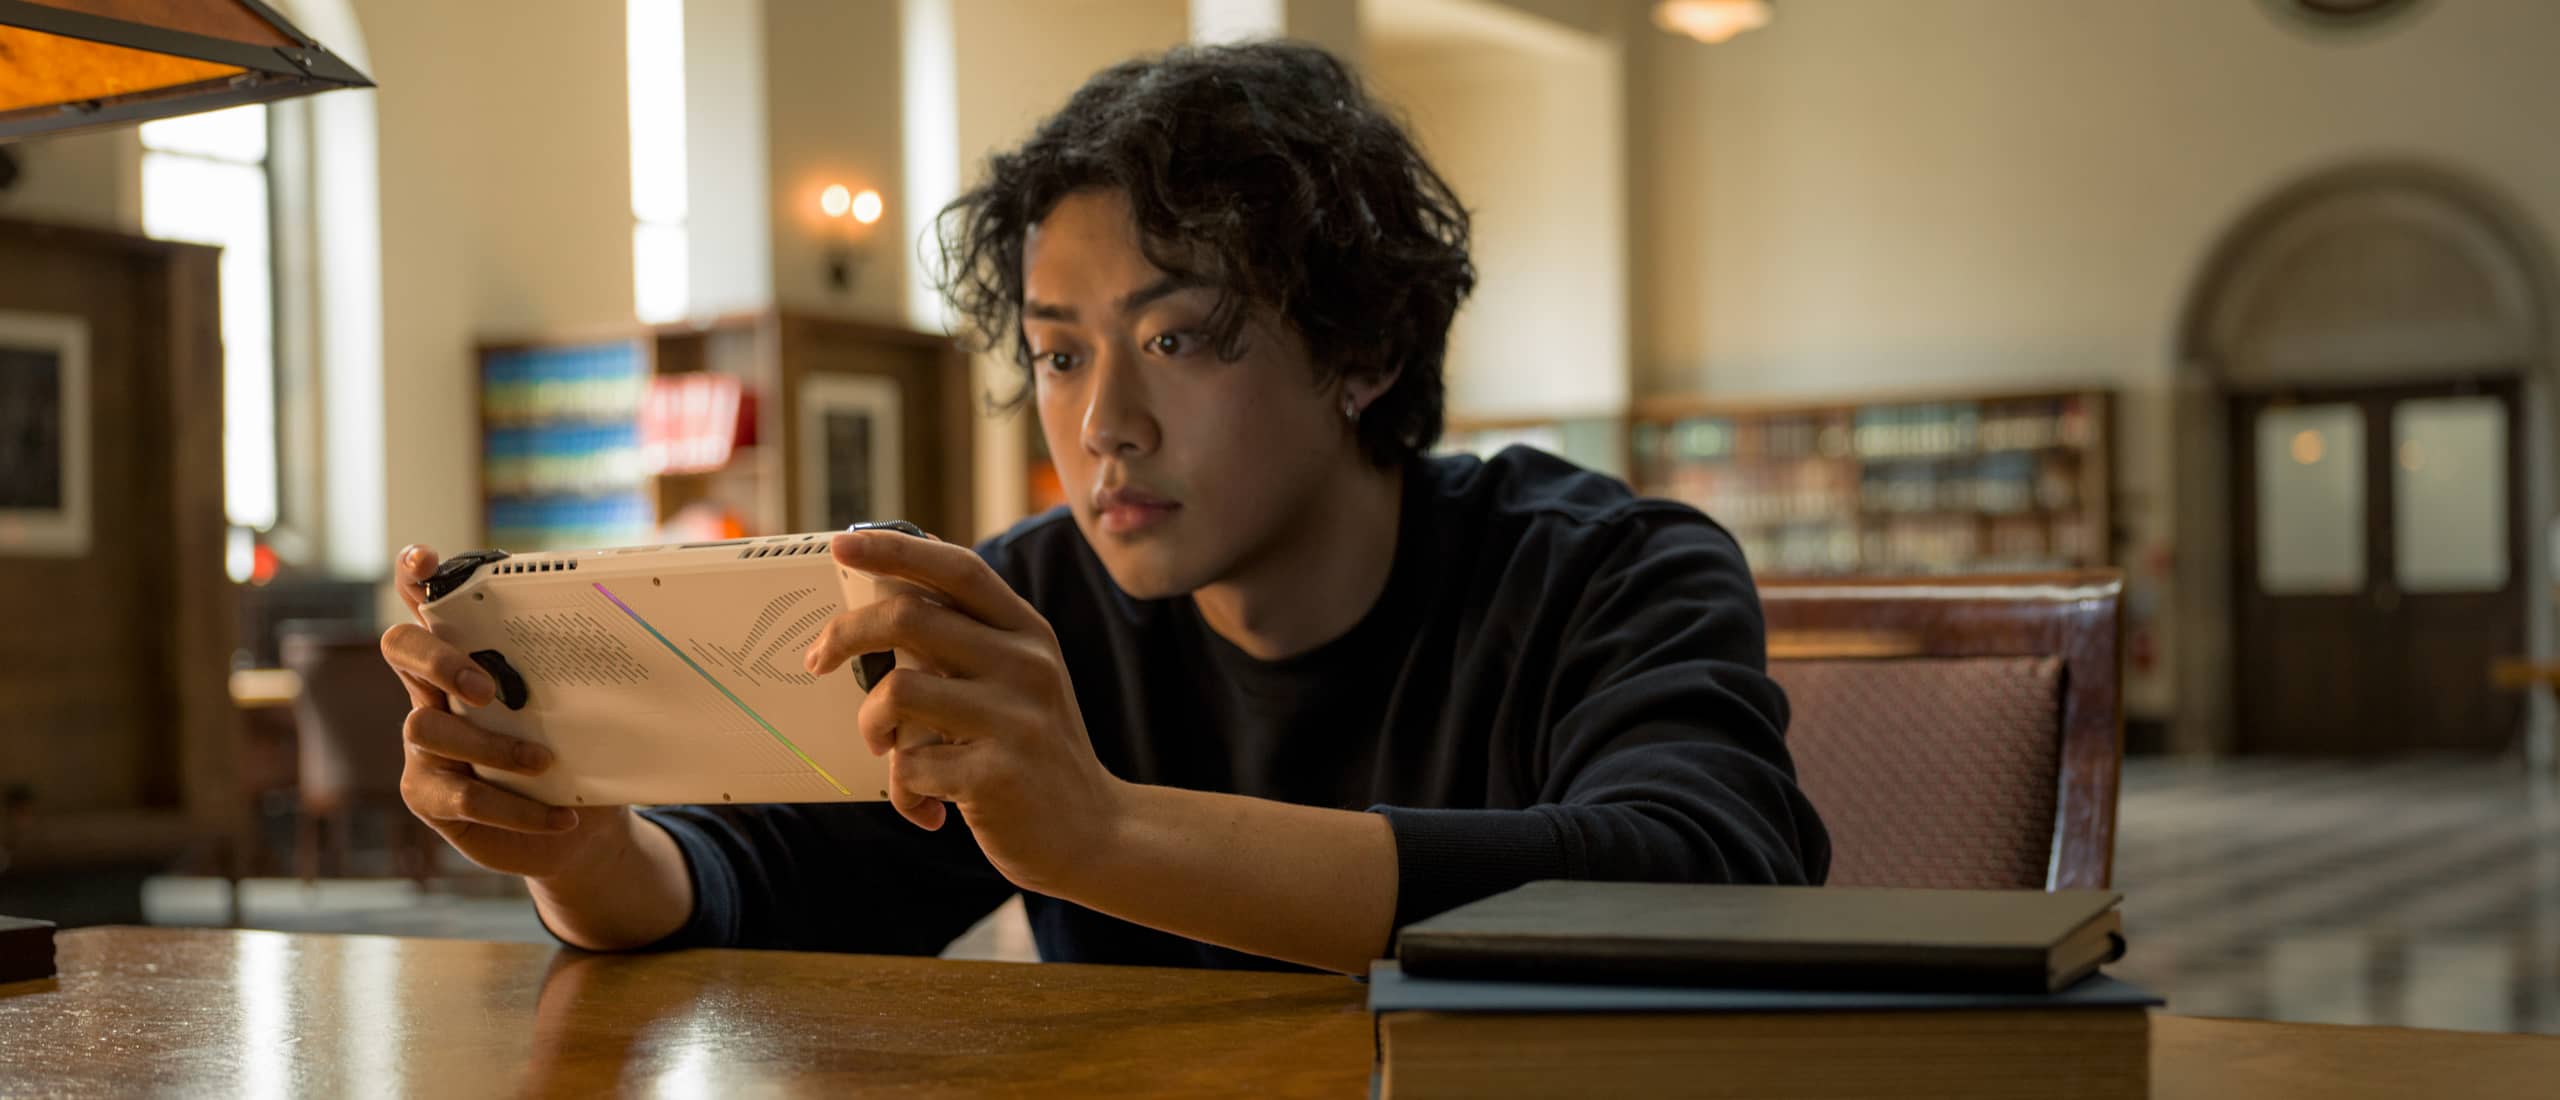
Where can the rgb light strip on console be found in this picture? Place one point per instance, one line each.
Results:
(714, 681)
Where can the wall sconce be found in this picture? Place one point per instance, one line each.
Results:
(838, 202)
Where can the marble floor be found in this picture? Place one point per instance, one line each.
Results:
(2421, 892)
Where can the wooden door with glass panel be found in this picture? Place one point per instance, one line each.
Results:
(2380, 567)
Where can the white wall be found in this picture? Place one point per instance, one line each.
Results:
(87, 179)
(2016, 193)
(2007, 190)
(1333, 24)
(1595, 17)
(1016, 62)
(506, 208)
(505, 196)
(728, 222)
(1532, 142)
(832, 79)
(1012, 64)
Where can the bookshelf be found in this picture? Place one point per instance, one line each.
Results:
(565, 461)
(1929, 483)
(1940, 484)
(560, 459)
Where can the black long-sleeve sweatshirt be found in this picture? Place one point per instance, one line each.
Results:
(1560, 680)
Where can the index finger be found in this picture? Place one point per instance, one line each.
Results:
(417, 652)
(409, 573)
(956, 572)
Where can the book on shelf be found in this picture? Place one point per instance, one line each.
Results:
(561, 455)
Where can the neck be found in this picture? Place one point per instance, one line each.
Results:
(1315, 586)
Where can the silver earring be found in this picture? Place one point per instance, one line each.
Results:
(1350, 408)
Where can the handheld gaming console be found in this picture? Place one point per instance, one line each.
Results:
(668, 674)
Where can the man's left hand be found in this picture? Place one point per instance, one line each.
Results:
(993, 728)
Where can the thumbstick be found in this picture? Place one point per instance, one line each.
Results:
(873, 668)
(511, 686)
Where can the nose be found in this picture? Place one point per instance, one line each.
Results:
(1117, 420)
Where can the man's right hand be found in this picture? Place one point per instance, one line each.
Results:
(498, 829)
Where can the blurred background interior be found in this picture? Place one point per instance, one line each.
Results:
(2250, 299)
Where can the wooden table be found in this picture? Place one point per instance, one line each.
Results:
(221, 1013)
(183, 1012)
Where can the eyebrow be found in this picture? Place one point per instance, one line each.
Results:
(1131, 302)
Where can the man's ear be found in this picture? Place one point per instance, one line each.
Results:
(1364, 390)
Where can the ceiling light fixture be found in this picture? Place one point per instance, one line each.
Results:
(1711, 21)
(73, 65)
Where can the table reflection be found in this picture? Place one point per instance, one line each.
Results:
(617, 1023)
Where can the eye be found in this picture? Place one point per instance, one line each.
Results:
(1173, 343)
(1057, 362)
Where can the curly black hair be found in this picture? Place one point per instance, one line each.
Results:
(1267, 164)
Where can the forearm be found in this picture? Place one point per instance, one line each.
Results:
(1299, 883)
(639, 894)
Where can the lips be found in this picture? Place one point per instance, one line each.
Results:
(1128, 509)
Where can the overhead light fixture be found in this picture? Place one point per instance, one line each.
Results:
(73, 65)
(1711, 21)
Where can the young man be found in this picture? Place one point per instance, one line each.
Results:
(1273, 684)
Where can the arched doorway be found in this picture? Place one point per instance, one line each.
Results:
(2365, 354)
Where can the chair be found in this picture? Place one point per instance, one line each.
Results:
(1957, 732)
(347, 720)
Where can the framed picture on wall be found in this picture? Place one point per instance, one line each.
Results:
(851, 448)
(44, 435)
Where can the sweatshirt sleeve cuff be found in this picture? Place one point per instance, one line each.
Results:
(714, 922)
(1447, 858)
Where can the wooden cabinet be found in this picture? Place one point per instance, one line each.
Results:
(114, 713)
